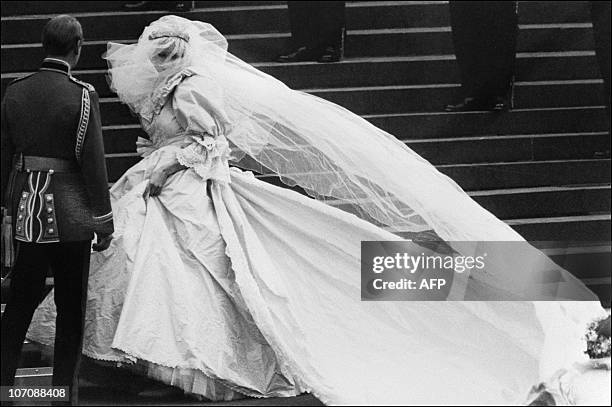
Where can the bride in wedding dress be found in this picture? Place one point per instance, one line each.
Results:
(224, 285)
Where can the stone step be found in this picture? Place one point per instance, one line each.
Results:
(538, 202)
(385, 100)
(390, 71)
(523, 203)
(590, 264)
(258, 19)
(529, 210)
(33, 376)
(426, 98)
(479, 149)
(13, 8)
(359, 43)
(517, 121)
(586, 228)
(512, 148)
(528, 174)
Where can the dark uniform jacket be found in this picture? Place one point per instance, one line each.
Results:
(50, 114)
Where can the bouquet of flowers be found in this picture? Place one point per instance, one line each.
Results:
(598, 339)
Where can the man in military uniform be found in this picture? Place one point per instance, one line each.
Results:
(55, 193)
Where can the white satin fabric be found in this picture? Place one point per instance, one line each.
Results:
(227, 285)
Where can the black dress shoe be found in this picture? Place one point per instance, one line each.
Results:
(501, 104)
(467, 105)
(330, 54)
(182, 6)
(299, 55)
(177, 6)
(472, 104)
(138, 5)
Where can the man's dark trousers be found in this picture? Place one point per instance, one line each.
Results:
(69, 262)
(317, 24)
(600, 14)
(484, 37)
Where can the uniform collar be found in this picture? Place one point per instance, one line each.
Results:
(55, 65)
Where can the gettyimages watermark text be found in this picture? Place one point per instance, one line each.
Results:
(460, 271)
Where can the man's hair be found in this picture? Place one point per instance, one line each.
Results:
(60, 35)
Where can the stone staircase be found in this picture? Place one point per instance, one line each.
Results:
(543, 167)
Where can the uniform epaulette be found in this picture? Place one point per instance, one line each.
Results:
(20, 79)
(89, 86)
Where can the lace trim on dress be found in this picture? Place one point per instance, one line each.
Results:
(207, 155)
(160, 95)
(159, 365)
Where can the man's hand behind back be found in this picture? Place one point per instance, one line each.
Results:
(103, 241)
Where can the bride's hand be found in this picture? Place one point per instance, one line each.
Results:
(156, 182)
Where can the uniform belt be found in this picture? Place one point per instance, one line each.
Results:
(46, 164)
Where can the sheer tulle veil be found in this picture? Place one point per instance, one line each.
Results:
(333, 154)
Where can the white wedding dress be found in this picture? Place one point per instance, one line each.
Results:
(224, 285)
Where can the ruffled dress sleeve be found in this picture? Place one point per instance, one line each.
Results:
(198, 107)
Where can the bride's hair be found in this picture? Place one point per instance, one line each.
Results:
(171, 53)
(172, 45)
(165, 47)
